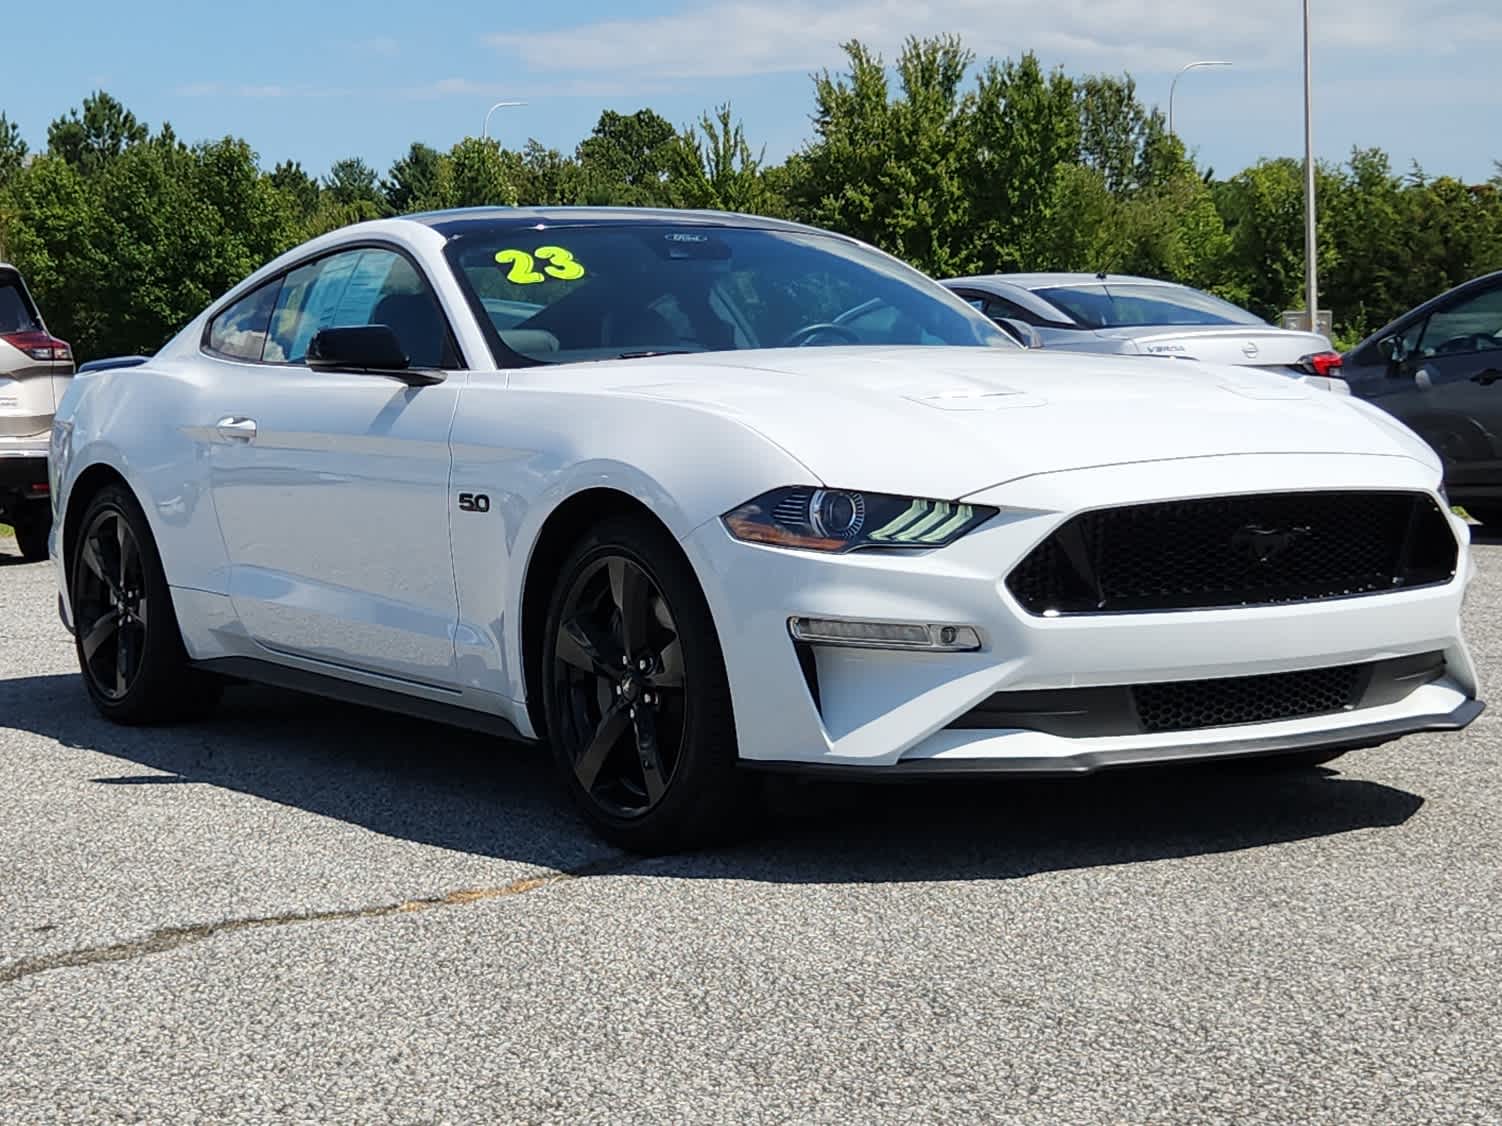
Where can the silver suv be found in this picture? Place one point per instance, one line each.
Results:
(35, 368)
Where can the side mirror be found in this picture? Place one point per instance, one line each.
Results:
(1391, 349)
(365, 349)
(1020, 331)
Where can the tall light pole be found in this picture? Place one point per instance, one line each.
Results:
(485, 129)
(1311, 278)
(1174, 84)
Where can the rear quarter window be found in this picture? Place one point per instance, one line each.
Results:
(240, 331)
(15, 311)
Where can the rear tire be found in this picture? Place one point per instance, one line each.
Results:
(33, 524)
(129, 647)
(636, 697)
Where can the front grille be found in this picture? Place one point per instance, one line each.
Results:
(1186, 705)
(1189, 704)
(1237, 551)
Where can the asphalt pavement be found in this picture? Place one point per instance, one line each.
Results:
(307, 912)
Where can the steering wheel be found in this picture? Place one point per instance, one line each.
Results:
(1470, 342)
(803, 335)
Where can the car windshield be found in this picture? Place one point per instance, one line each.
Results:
(1124, 305)
(567, 293)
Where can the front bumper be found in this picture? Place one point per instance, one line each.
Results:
(1092, 762)
(865, 709)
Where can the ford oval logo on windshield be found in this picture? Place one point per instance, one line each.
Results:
(1250, 349)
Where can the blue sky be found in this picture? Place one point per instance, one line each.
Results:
(317, 81)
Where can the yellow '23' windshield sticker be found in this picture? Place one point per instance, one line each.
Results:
(560, 265)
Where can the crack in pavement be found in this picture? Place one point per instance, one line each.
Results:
(170, 938)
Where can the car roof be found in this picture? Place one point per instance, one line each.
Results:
(458, 220)
(1046, 280)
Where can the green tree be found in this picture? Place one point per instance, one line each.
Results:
(1026, 142)
(715, 168)
(890, 170)
(352, 183)
(477, 175)
(51, 221)
(413, 179)
(12, 150)
(546, 177)
(300, 191)
(101, 132)
(1118, 134)
(628, 158)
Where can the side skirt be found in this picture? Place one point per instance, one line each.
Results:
(365, 695)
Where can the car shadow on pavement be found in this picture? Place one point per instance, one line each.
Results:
(417, 781)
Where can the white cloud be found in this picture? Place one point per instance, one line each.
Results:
(744, 37)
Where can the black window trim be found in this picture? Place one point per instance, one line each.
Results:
(451, 342)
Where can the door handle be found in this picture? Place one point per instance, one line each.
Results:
(1487, 378)
(233, 428)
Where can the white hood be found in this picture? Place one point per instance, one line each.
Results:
(948, 422)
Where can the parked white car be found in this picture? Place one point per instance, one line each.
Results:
(1127, 316)
(35, 368)
(684, 493)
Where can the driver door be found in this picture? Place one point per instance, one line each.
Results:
(1448, 385)
(332, 487)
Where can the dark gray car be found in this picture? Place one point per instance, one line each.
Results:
(1439, 369)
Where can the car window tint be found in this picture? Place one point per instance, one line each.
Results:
(240, 331)
(1123, 305)
(358, 287)
(1472, 324)
(1000, 307)
(15, 314)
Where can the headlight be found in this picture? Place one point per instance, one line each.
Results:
(843, 520)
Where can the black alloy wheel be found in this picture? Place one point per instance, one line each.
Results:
(130, 649)
(622, 680)
(636, 698)
(112, 608)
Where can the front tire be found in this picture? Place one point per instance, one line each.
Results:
(125, 631)
(636, 696)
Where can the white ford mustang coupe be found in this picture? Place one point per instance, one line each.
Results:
(683, 494)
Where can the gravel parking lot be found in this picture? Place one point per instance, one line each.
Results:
(310, 912)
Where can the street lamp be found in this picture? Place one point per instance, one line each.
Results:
(485, 129)
(1175, 82)
(1311, 281)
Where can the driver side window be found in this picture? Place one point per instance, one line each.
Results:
(368, 286)
(1472, 324)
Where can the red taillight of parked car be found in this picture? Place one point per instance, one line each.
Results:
(39, 345)
(1327, 364)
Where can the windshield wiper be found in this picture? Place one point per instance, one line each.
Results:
(661, 352)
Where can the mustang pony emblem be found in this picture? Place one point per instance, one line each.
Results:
(1266, 545)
